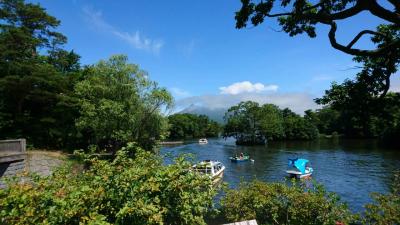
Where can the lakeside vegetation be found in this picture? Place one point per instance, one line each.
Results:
(300, 203)
(136, 187)
(133, 188)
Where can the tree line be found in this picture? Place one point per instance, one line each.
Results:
(183, 126)
(251, 123)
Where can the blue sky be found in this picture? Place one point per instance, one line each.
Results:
(193, 49)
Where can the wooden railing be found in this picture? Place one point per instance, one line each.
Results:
(12, 150)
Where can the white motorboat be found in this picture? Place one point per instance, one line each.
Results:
(203, 141)
(214, 169)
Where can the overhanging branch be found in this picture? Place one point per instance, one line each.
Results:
(352, 11)
(359, 52)
(396, 4)
(359, 35)
(383, 13)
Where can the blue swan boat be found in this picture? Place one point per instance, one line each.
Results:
(299, 168)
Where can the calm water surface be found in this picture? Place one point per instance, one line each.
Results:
(351, 168)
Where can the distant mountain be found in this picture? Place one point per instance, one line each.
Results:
(214, 114)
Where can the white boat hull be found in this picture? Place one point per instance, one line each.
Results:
(218, 176)
(203, 141)
(213, 169)
(298, 174)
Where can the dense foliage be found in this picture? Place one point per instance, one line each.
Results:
(386, 208)
(327, 120)
(278, 203)
(36, 77)
(139, 190)
(187, 125)
(49, 99)
(358, 112)
(119, 104)
(251, 123)
(300, 203)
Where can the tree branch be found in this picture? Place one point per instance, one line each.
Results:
(396, 4)
(387, 86)
(359, 52)
(383, 13)
(359, 35)
(292, 13)
(352, 11)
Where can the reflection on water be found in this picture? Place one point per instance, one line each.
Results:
(351, 168)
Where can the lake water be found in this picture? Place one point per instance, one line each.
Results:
(351, 168)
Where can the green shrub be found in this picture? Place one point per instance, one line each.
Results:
(386, 208)
(139, 190)
(278, 203)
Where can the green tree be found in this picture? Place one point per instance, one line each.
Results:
(187, 125)
(271, 122)
(297, 127)
(119, 104)
(36, 95)
(326, 120)
(243, 123)
(357, 106)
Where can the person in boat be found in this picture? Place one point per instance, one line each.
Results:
(241, 155)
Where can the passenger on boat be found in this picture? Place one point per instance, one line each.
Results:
(241, 155)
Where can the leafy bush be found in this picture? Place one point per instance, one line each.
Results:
(278, 203)
(386, 208)
(139, 190)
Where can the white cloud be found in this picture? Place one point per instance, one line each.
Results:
(135, 39)
(140, 42)
(247, 87)
(298, 102)
(179, 92)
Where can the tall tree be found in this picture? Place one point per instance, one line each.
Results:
(326, 120)
(243, 123)
(35, 86)
(119, 104)
(271, 122)
(363, 112)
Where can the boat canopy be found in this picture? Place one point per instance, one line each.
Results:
(300, 164)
